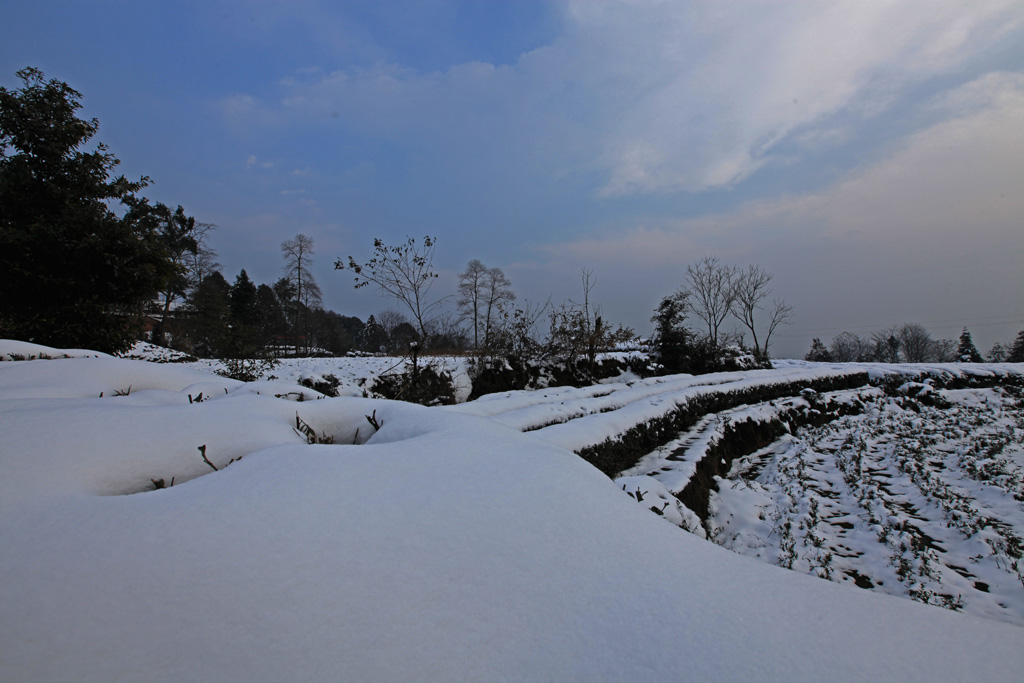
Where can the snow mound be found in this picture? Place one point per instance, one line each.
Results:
(11, 349)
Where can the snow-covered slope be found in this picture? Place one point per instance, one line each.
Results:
(446, 547)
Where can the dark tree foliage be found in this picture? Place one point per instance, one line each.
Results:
(1017, 350)
(967, 352)
(350, 328)
(373, 337)
(178, 233)
(331, 332)
(242, 302)
(72, 272)
(209, 324)
(672, 340)
(887, 345)
(401, 337)
(819, 353)
(679, 349)
(270, 320)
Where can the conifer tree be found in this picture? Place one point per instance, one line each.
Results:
(819, 353)
(966, 352)
(73, 273)
(1017, 350)
(270, 320)
(242, 299)
(373, 337)
(210, 314)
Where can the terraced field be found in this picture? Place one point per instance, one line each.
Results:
(907, 480)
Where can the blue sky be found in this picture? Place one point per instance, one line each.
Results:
(870, 155)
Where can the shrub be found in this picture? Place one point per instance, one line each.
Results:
(247, 369)
(326, 385)
(427, 386)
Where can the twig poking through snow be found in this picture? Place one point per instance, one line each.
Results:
(202, 453)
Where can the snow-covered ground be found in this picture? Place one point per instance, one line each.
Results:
(903, 498)
(445, 545)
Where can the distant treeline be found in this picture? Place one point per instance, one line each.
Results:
(911, 343)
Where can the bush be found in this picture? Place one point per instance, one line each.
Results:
(326, 385)
(247, 369)
(428, 386)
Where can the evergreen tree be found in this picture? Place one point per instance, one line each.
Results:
(997, 354)
(1017, 350)
(270, 320)
(819, 353)
(72, 272)
(672, 340)
(373, 337)
(243, 302)
(209, 328)
(966, 352)
(401, 337)
(350, 329)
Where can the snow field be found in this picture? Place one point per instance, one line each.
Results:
(445, 546)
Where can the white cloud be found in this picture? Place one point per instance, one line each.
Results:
(932, 232)
(958, 182)
(656, 96)
(724, 83)
(252, 162)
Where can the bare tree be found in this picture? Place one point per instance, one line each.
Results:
(177, 233)
(710, 284)
(390, 319)
(497, 293)
(470, 293)
(780, 313)
(749, 290)
(514, 334)
(483, 292)
(298, 270)
(887, 345)
(203, 261)
(847, 347)
(578, 329)
(945, 351)
(403, 271)
(916, 343)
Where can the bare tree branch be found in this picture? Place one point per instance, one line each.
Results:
(404, 272)
(711, 292)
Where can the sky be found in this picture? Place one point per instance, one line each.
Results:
(868, 154)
